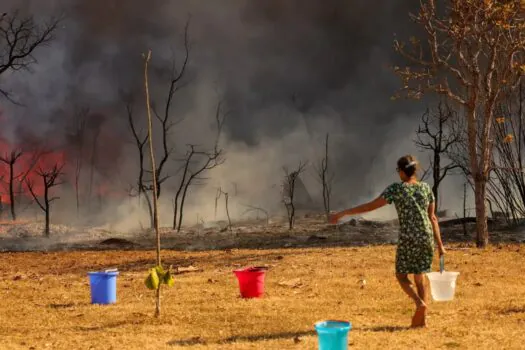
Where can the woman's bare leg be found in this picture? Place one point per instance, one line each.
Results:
(405, 283)
(422, 291)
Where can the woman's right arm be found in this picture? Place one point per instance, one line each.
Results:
(360, 209)
(435, 227)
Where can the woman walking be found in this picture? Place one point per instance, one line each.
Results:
(419, 228)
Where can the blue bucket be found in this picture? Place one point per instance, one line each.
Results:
(103, 287)
(333, 335)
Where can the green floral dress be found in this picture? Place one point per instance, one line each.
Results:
(415, 248)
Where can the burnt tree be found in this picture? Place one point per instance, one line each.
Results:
(326, 178)
(195, 164)
(10, 160)
(50, 178)
(20, 36)
(289, 191)
(435, 135)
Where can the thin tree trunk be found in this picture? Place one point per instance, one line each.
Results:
(436, 173)
(477, 171)
(482, 235)
(175, 204)
(181, 209)
(227, 211)
(154, 177)
(12, 190)
(46, 204)
(465, 209)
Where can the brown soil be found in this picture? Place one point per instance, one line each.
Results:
(45, 301)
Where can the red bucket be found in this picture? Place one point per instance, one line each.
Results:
(251, 281)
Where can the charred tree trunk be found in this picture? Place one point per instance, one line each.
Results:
(465, 210)
(50, 178)
(10, 160)
(180, 189)
(226, 199)
(12, 190)
(436, 175)
(181, 209)
(46, 208)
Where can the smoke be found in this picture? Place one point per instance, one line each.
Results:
(288, 72)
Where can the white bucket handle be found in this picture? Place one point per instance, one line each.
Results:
(441, 263)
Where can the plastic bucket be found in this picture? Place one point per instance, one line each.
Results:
(251, 281)
(103, 287)
(333, 335)
(442, 285)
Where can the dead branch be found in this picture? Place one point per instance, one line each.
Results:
(435, 135)
(19, 38)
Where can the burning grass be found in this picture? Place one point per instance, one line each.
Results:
(45, 301)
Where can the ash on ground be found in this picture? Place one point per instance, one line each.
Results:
(310, 230)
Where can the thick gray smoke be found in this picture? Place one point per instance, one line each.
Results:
(289, 71)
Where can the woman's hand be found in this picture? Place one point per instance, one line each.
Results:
(441, 250)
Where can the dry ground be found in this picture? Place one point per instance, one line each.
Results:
(45, 301)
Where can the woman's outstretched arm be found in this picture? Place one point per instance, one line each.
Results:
(435, 227)
(360, 209)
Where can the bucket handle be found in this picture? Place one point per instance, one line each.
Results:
(441, 263)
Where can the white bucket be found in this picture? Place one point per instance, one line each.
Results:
(442, 285)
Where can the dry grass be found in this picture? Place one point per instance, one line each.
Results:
(45, 301)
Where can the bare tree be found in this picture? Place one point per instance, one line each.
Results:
(50, 178)
(195, 164)
(326, 178)
(471, 53)
(289, 191)
(434, 135)
(20, 36)
(10, 161)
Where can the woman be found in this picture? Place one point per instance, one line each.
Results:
(415, 206)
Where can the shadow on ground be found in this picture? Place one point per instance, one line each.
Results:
(244, 338)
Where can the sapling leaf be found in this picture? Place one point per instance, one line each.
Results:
(160, 271)
(168, 279)
(152, 281)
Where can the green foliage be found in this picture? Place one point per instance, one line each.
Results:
(158, 276)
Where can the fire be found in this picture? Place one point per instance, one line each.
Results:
(25, 169)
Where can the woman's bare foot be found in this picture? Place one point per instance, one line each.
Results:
(419, 319)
